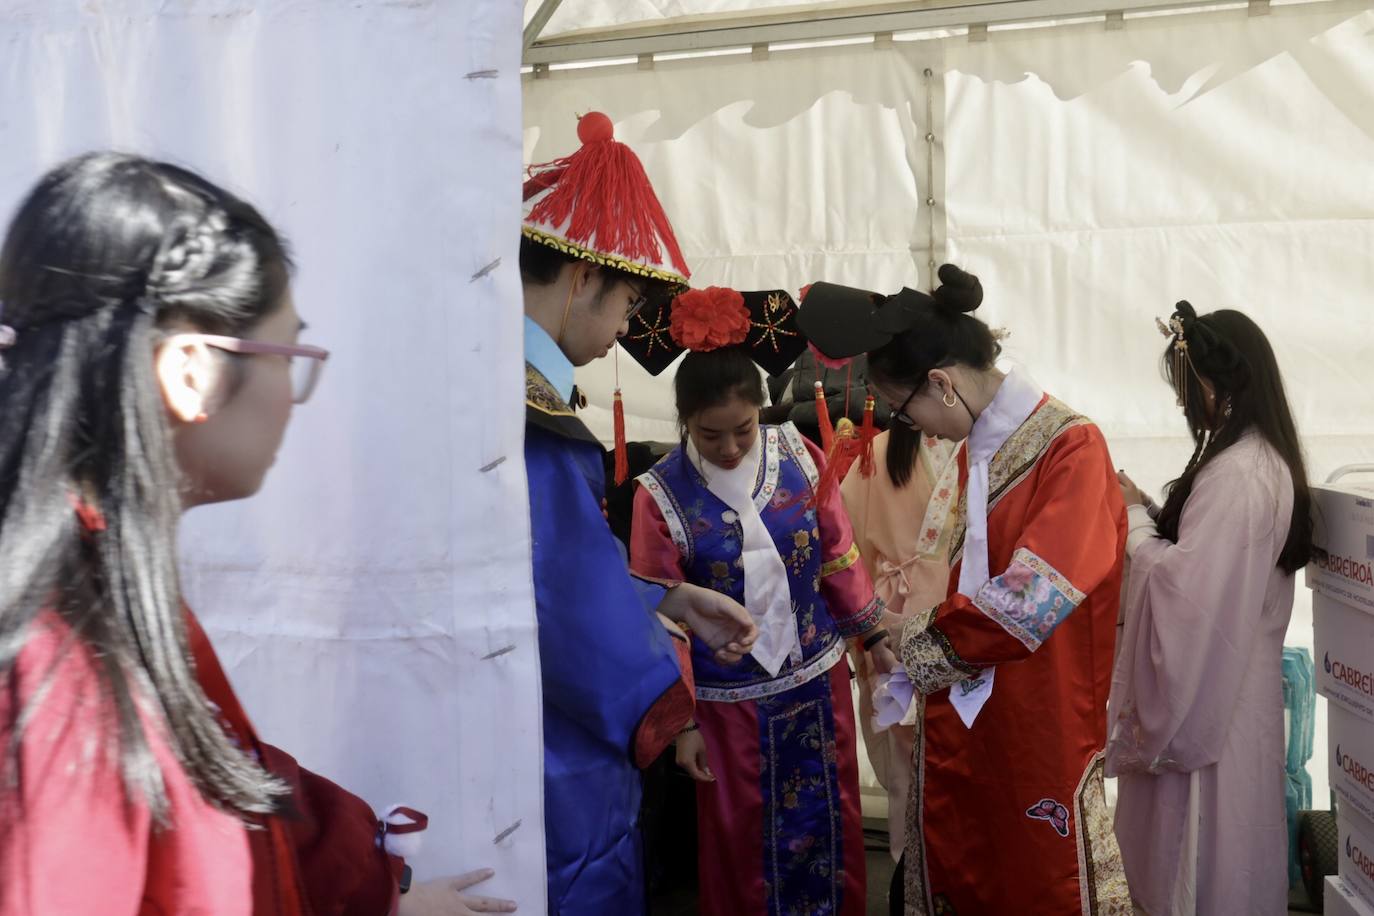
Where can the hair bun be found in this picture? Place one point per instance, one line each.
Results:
(959, 291)
(1184, 312)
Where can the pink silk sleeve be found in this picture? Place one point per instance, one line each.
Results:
(845, 583)
(653, 555)
(655, 558)
(1194, 611)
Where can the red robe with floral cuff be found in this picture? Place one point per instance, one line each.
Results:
(1009, 816)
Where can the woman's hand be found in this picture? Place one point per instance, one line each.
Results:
(883, 659)
(691, 756)
(1131, 493)
(446, 897)
(718, 620)
(672, 628)
(895, 624)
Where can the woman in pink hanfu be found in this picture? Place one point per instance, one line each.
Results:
(1196, 712)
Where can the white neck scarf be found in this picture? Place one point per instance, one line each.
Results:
(767, 592)
(1013, 404)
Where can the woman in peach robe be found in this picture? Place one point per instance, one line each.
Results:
(907, 559)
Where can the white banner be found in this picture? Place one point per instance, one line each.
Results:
(357, 599)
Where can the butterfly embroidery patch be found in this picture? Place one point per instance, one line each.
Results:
(1047, 809)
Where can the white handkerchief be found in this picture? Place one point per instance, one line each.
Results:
(894, 701)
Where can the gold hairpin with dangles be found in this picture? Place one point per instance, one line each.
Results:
(1182, 360)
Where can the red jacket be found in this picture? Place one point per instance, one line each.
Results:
(72, 842)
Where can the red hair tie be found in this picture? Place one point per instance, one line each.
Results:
(91, 518)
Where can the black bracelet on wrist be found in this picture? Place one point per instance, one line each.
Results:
(690, 728)
(874, 638)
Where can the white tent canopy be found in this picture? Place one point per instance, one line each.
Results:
(559, 31)
(1092, 173)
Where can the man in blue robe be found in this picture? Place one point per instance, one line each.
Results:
(614, 691)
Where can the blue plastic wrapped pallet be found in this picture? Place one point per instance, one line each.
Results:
(1300, 702)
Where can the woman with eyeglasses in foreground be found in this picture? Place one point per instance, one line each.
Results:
(1007, 812)
(151, 363)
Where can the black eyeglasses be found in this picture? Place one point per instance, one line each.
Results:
(900, 414)
(641, 300)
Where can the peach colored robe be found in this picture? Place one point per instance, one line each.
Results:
(904, 547)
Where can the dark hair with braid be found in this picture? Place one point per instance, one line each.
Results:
(106, 250)
(1230, 352)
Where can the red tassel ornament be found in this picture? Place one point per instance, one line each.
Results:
(867, 433)
(622, 449)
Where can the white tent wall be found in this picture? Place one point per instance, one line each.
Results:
(1091, 177)
(355, 599)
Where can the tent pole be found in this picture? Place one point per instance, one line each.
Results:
(541, 18)
(698, 36)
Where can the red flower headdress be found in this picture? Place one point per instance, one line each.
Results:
(708, 319)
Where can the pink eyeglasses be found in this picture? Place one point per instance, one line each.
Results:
(305, 370)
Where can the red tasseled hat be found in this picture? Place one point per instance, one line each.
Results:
(598, 204)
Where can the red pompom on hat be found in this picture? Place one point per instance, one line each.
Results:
(594, 127)
(598, 204)
(710, 318)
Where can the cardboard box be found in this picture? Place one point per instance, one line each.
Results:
(1343, 521)
(1344, 654)
(1350, 743)
(1340, 900)
(1356, 854)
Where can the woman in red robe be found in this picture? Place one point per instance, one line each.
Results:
(1007, 812)
(150, 363)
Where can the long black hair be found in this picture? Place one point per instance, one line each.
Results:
(903, 453)
(105, 250)
(709, 378)
(942, 333)
(1231, 353)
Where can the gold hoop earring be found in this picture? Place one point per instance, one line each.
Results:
(949, 400)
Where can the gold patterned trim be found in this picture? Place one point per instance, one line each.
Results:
(841, 563)
(930, 659)
(1015, 460)
(943, 474)
(1101, 873)
(917, 877)
(541, 395)
(605, 260)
